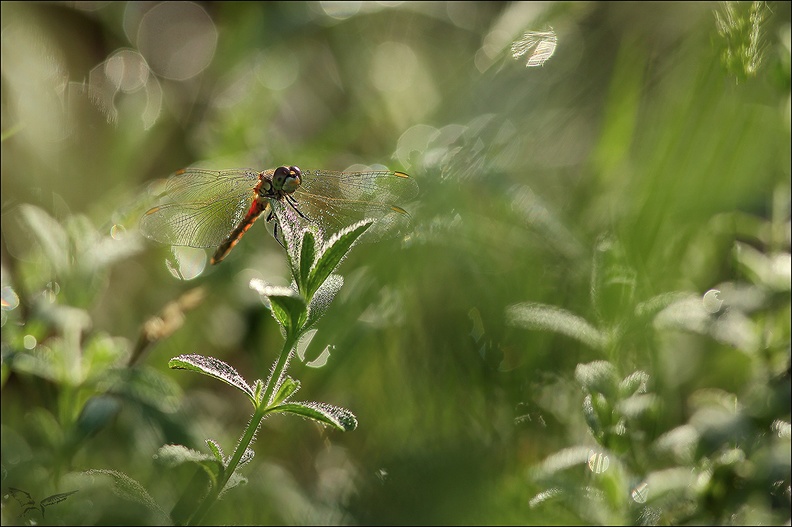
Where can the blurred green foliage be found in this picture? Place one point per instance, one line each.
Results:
(589, 322)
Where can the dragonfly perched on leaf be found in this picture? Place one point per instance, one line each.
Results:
(214, 208)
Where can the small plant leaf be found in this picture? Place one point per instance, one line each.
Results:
(561, 460)
(56, 498)
(50, 235)
(531, 315)
(174, 455)
(127, 488)
(247, 457)
(636, 406)
(235, 480)
(591, 418)
(339, 418)
(598, 376)
(287, 388)
(322, 298)
(634, 384)
(307, 257)
(332, 253)
(217, 450)
(287, 306)
(213, 368)
(258, 391)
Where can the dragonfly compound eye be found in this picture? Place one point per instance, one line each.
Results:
(288, 179)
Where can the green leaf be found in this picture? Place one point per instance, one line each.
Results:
(592, 419)
(56, 498)
(237, 478)
(287, 306)
(531, 315)
(50, 234)
(213, 368)
(127, 488)
(217, 450)
(258, 391)
(560, 461)
(598, 376)
(332, 253)
(636, 406)
(174, 455)
(287, 388)
(307, 257)
(97, 413)
(634, 384)
(322, 298)
(339, 418)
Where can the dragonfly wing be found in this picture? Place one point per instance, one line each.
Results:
(199, 208)
(336, 199)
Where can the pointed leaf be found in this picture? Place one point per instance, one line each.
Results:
(127, 488)
(307, 257)
(636, 406)
(340, 418)
(287, 306)
(634, 384)
(591, 418)
(174, 455)
(50, 234)
(561, 460)
(214, 368)
(246, 458)
(322, 298)
(598, 376)
(235, 480)
(56, 498)
(332, 253)
(287, 388)
(531, 315)
(258, 391)
(291, 310)
(217, 450)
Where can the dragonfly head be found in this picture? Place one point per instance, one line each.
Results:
(287, 179)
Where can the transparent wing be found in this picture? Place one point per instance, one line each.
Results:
(336, 199)
(199, 207)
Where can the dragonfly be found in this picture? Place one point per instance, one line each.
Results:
(215, 208)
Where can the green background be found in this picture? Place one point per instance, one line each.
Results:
(620, 212)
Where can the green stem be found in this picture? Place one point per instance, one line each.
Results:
(261, 410)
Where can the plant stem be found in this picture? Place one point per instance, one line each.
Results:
(250, 432)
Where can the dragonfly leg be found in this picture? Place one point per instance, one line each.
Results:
(296, 206)
(276, 233)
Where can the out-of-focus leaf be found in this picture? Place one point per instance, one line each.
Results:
(680, 442)
(635, 406)
(174, 455)
(561, 460)
(50, 234)
(127, 488)
(773, 271)
(598, 377)
(536, 46)
(322, 298)
(550, 318)
(634, 384)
